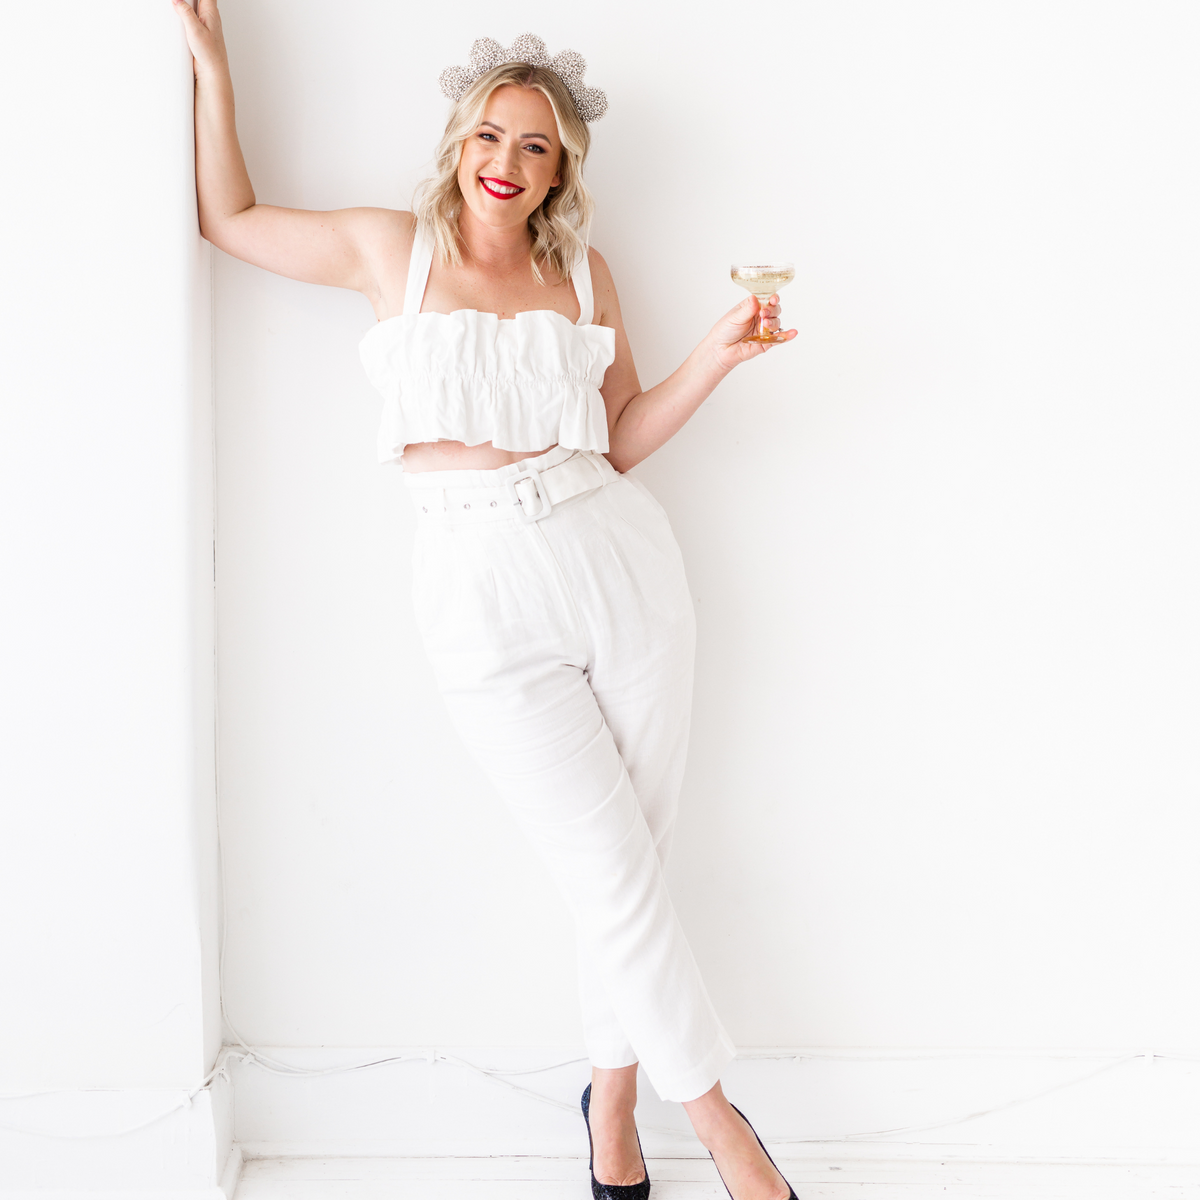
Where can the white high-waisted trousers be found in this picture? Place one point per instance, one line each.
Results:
(564, 650)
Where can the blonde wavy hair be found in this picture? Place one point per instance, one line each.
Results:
(558, 228)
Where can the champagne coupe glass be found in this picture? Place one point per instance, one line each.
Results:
(764, 280)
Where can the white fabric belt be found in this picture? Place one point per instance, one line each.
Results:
(527, 495)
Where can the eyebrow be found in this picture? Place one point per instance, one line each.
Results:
(497, 128)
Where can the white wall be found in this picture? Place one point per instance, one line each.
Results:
(108, 853)
(943, 548)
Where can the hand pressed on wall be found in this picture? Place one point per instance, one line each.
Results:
(204, 36)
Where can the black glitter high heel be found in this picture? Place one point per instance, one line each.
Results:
(791, 1191)
(612, 1191)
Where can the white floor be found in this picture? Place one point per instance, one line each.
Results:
(695, 1179)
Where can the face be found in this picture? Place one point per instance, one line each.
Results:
(511, 160)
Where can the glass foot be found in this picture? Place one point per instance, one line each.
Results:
(770, 338)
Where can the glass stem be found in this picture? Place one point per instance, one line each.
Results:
(763, 331)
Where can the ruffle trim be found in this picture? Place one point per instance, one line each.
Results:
(521, 384)
(513, 415)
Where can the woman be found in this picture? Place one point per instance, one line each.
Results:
(548, 587)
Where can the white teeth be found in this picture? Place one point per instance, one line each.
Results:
(503, 189)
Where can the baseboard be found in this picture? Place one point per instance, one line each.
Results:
(119, 1144)
(833, 1107)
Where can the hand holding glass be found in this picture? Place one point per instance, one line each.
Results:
(764, 280)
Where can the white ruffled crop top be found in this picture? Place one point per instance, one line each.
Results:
(467, 376)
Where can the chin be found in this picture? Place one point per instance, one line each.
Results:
(498, 214)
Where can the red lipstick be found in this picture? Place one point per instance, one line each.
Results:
(492, 186)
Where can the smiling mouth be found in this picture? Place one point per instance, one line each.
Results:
(500, 189)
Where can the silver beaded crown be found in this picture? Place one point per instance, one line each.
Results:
(486, 54)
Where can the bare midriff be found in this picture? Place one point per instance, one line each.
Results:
(455, 456)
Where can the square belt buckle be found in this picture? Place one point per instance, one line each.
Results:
(542, 495)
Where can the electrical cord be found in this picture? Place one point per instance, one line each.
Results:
(220, 1068)
(983, 1112)
(499, 1077)
(252, 1057)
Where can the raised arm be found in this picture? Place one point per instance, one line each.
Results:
(639, 422)
(334, 248)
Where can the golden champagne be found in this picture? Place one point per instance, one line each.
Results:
(763, 281)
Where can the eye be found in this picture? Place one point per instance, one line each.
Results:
(488, 135)
(535, 146)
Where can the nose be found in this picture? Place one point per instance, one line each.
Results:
(506, 158)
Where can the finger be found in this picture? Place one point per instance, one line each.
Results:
(738, 319)
(787, 337)
(184, 9)
(747, 306)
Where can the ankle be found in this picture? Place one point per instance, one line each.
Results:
(614, 1090)
(713, 1121)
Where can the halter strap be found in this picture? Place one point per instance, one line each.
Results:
(581, 277)
(418, 274)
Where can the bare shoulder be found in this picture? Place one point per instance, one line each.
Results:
(386, 222)
(384, 230)
(608, 309)
(598, 266)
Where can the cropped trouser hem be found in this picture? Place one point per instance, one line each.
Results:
(691, 1085)
(687, 1086)
(611, 1056)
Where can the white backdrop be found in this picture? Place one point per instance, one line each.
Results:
(109, 1006)
(944, 773)
(107, 845)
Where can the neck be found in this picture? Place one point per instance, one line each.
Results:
(503, 249)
